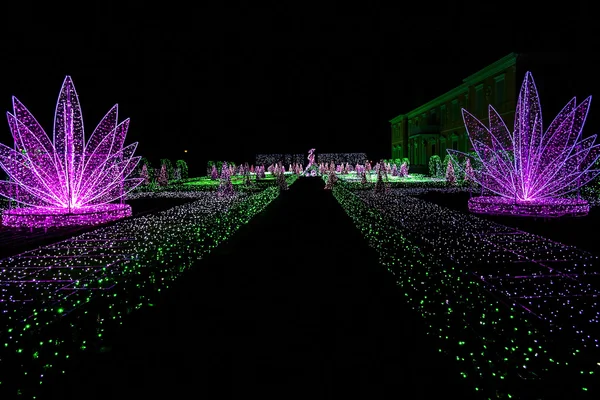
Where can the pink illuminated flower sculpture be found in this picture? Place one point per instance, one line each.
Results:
(311, 158)
(66, 180)
(531, 172)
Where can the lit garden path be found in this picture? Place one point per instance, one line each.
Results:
(294, 305)
(516, 292)
(44, 284)
(551, 281)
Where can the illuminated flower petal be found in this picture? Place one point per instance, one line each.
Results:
(530, 164)
(67, 172)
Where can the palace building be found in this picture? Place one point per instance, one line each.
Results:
(438, 125)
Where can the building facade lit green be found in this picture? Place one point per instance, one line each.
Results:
(438, 125)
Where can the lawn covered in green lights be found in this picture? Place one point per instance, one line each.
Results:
(238, 180)
(372, 177)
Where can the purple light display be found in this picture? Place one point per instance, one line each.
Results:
(311, 169)
(311, 158)
(67, 180)
(531, 172)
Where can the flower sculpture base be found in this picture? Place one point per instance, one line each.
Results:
(46, 217)
(545, 208)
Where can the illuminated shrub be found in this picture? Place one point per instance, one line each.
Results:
(435, 167)
(182, 166)
(450, 176)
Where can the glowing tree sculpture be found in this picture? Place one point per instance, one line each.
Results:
(66, 180)
(225, 185)
(145, 175)
(183, 169)
(531, 172)
(380, 185)
(363, 177)
(403, 170)
(450, 175)
(163, 179)
(331, 180)
(176, 174)
(469, 176)
(281, 182)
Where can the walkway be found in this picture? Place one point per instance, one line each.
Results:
(295, 305)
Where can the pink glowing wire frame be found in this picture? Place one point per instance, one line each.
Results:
(530, 165)
(67, 173)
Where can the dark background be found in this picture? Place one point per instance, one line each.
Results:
(228, 81)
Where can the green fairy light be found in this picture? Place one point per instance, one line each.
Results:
(111, 267)
(434, 253)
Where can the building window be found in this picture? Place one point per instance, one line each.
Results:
(454, 145)
(455, 110)
(443, 116)
(499, 91)
(433, 149)
(479, 100)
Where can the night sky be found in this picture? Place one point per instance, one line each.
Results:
(228, 82)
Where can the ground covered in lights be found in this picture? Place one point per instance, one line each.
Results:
(518, 296)
(51, 280)
(487, 307)
(576, 231)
